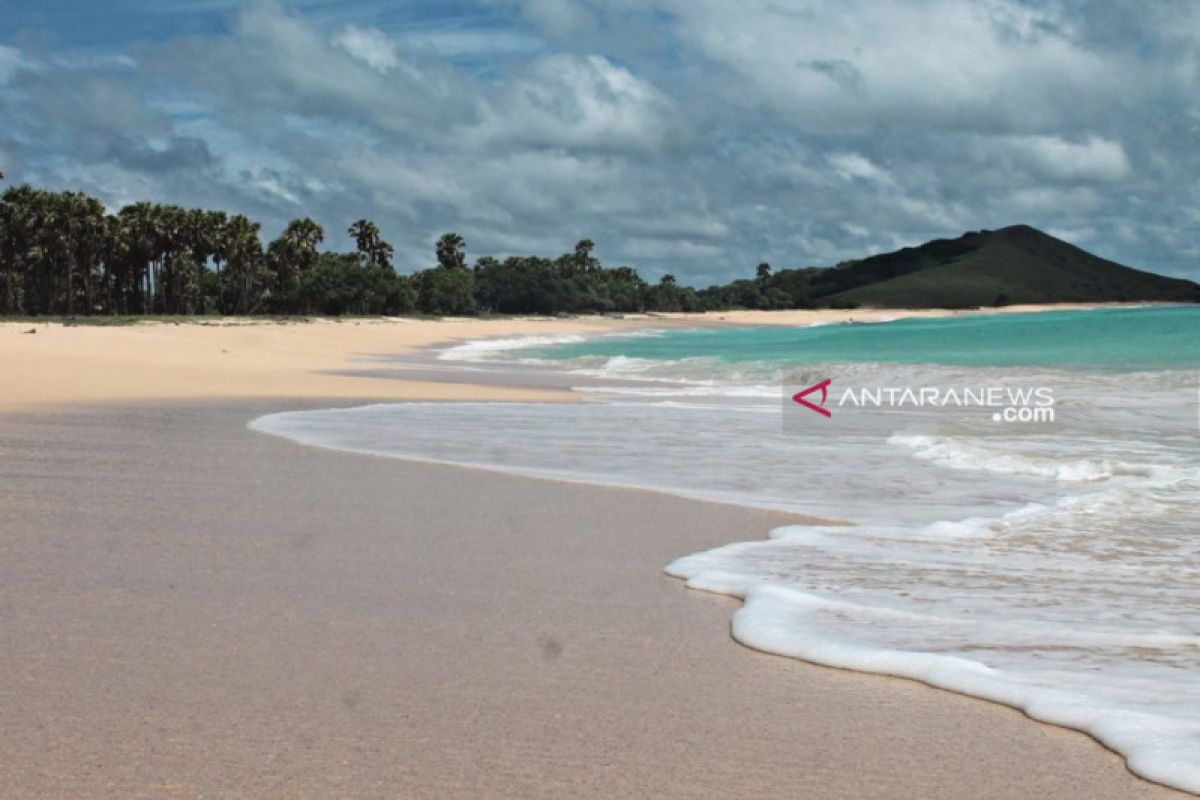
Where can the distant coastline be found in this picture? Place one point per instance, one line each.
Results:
(65, 254)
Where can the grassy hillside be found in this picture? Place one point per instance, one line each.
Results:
(1018, 264)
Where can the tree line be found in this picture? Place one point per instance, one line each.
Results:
(63, 254)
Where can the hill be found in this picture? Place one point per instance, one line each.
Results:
(1017, 264)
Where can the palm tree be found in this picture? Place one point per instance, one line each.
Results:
(118, 262)
(142, 230)
(365, 233)
(193, 255)
(52, 236)
(244, 256)
(173, 251)
(301, 238)
(88, 230)
(108, 300)
(305, 234)
(217, 247)
(451, 251)
(8, 250)
(292, 255)
(371, 246)
(20, 219)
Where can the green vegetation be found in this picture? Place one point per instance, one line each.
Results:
(62, 254)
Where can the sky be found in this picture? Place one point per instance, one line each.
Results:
(698, 137)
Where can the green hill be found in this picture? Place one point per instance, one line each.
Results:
(1017, 264)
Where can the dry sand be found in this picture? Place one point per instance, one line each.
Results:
(188, 609)
(60, 365)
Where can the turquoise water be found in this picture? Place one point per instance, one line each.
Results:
(1137, 338)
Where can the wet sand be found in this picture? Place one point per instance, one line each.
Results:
(190, 609)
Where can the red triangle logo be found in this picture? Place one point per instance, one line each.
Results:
(823, 386)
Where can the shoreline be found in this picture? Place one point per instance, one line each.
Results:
(797, 518)
(218, 613)
(238, 358)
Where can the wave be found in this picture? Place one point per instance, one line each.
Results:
(499, 348)
(485, 349)
(976, 454)
(780, 620)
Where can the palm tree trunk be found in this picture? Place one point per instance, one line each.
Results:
(71, 287)
(87, 291)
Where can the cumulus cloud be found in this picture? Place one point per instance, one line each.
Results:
(371, 46)
(848, 65)
(577, 101)
(852, 166)
(275, 62)
(1092, 159)
(693, 136)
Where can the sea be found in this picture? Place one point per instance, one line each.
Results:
(1008, 504)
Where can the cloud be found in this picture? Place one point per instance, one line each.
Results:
(471, 43)
(99, 103)
(559, 18)
(369, 45)
(275, 62)
(852, 166)
(1042, 199)
(577, 101)
(692, 136)
(852, 64)
(1092, 159)
(174, 153)
(644, 249)
(10, 61)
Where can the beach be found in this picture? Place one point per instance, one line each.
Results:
(52, 364)
(195, 609)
